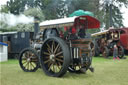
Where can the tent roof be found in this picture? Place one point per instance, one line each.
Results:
(57, 22)
(99, 33)
(91, 22)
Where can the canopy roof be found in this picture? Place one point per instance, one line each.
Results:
(106, 31)
(71, 21)
(81, 13)
(91, 22)
(57, 23)
(3, 33)
(99, 33)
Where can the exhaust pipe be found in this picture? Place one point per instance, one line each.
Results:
(36, 26)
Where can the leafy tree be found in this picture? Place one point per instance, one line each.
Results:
(52, 9)
(74, 5)
(19, 27)
(86, 5)
(4, 9)
(107, 11)
(34, 12)
(5, 28)
(112, 13)
(16, 6)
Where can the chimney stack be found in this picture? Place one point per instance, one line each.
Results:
(36, 26)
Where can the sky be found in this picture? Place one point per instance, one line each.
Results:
(123, 10)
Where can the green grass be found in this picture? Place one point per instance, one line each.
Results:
(107, 72)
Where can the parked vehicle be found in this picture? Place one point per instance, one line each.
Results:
(60, 47)
(124, 38)
(15, 41)
(105, 40)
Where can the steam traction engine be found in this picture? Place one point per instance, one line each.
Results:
(105, 41)
(61, 46)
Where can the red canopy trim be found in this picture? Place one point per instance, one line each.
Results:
(89, 21)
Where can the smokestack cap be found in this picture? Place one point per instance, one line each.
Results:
(36, 19)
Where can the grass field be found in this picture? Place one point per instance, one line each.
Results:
(107, 72)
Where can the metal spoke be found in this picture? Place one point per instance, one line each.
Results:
(59, 60)
(25, 54)
(46, 53)
(31, 56)
(50, 67)
(49, 64)
(34, 59)
(49, 50)
(32, 65)
(28, 54)
(57, 66)
(47, 57)
(26, 65)
(56, 48)
(24, 62)
(29, 66)
(53, 67)
(79, 65)
(59, 53)
(61, 56)
(48, 46)
(47, 61)
(24, 58)
(52, 46)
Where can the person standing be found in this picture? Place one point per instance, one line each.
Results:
(115, 53)
(81, 32)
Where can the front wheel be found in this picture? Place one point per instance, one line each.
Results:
(28, 60)
(105, 52)
(77, 66)
(120, 52)
(55, 57)
(92, 48)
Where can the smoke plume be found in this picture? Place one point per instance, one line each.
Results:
(13, 20)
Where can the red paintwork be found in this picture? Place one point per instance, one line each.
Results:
(124, 38)
(90, 22)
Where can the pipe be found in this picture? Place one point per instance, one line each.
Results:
(36, 26)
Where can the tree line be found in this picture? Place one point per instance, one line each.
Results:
(104, 10)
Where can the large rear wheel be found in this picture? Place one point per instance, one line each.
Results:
(55, 57)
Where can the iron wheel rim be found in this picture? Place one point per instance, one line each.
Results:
(29, 60)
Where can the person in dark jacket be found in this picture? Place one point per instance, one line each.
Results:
(81, 32)
(115, 53)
